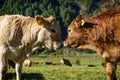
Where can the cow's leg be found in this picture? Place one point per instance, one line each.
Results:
(111, 70)
(3, 62)
(114, 71)
(18, 68)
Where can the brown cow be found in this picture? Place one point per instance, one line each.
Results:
(100, 33)
(27, 62)
(65, 62)
(47, 63)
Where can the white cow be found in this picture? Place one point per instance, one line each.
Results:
(20, 34)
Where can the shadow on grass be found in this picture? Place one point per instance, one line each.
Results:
(25, 76)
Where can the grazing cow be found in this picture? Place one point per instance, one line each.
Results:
(91, 65)
(47, 63)
(20, 34)
(65, 62)
(100, 33)
(27, 62)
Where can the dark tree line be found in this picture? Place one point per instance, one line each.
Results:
(63, 10)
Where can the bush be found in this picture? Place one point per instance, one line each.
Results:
(77, 62)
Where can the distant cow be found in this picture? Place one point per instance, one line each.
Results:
(100, 33)
(20, 34)
(27, 62)
(65, 62)
(47, 63)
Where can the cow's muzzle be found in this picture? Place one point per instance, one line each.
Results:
(59, 46)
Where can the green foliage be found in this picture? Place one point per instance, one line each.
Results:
(63, 10)
(77, 62)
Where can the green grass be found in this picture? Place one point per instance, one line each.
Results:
(78, 71)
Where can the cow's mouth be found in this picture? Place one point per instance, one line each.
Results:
(73, 45)
(59, 46)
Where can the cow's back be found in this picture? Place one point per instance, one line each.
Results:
(13, 28)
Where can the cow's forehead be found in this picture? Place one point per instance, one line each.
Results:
(73, 23)
(55, 25)
(72, 26)
(76, 20)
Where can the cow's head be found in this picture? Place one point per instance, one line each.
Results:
(49, 35)
(80, 32)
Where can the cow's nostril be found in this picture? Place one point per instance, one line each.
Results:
(65, 44)
(61, 45)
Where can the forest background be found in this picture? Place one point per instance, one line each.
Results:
(63, 10)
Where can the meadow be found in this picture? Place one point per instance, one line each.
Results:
(80, 69)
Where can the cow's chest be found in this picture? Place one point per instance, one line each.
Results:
(16, 53)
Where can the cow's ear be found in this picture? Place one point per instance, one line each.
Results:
(39, 19)
(50, 19)
(82, 22)
(91, 21)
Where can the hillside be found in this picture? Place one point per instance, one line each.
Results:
(63, 10)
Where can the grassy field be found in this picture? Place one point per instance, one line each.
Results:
(78, 71)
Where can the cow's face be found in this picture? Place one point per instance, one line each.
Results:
(55, 33)
(49, 34)
(79, 32)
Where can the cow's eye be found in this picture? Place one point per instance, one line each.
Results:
(69, 30)
(53, 30)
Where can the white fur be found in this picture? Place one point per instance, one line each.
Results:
(19, 35)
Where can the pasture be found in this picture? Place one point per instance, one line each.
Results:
(80, 69)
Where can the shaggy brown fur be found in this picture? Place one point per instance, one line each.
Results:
(66, 62)
(100, 33)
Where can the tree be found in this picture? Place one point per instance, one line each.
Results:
(29, 12)
(63, 10)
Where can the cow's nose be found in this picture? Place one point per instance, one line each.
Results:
(58, 46)
(65, 45)
(61, 45)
